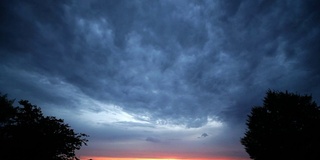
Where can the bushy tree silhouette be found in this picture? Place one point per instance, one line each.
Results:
(287, 126)
(25, 133)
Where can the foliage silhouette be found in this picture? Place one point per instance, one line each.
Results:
(25, 133)
(287, 126)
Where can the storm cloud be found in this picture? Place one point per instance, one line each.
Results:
(156, 67)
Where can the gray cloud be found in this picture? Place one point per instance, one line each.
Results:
(175, 62)
(203, 135)
(153, 140)
(190, 62)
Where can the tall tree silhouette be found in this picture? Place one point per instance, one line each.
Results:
(25, 133)
(287, 126)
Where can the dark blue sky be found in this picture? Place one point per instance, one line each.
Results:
(155, 76)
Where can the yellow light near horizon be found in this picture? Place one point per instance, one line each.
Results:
(114, 158)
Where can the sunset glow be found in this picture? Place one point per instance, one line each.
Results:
(117, 158)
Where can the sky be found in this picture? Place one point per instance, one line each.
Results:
(167, 79)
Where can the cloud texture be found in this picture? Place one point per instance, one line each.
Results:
(167, 71)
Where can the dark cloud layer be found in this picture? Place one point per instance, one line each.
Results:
(174, 62)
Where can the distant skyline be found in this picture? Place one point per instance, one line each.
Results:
(158, 79)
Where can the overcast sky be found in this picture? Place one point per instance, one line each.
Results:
(169, 78)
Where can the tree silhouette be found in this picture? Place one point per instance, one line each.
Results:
(287, 126)
(25, 133)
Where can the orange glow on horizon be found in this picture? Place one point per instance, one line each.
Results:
(117, 158)
(109, 158)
